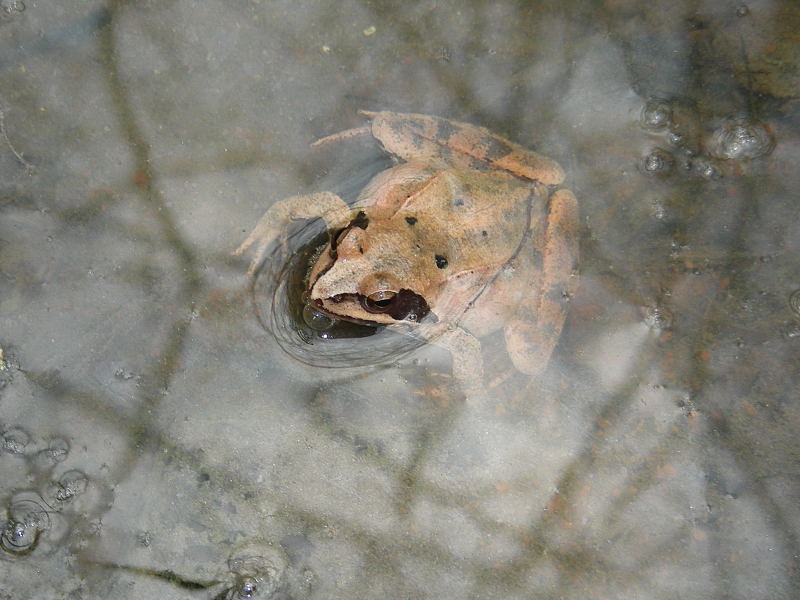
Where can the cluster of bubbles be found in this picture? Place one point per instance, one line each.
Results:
(794, 302)
(658, 318)
(9, 7)
(738, 138)
(792, 329)
(39, 519)
(258, 571)
(7, 369)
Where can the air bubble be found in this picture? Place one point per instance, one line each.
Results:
(794, 302)
(26, 522)
(14, 440)
(245, 588)
(316, 320)
(740, 138)
(70, 485)
(675, 138)
(12, 6)
(658, 162)
(308, 578)
(56, 452)
(705, 168)
(742, 11)
(791, 330)
(258, 571)
(123, 374)
(656, 114)
(58, 449)
(657, 317)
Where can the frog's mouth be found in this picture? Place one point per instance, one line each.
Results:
(405, 305)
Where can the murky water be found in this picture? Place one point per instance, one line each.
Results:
(156, 441)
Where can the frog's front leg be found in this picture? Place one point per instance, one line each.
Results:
(465, 350)
(325, 205)
(533, 333)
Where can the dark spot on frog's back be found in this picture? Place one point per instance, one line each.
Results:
(463, 203)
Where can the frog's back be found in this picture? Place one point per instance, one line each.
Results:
(475, 219)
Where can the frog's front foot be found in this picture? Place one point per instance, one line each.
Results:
(467, 355)
(274, 223)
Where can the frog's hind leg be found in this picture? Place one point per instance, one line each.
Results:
(534, 332)
(424, 137)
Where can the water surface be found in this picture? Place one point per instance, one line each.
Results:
(157, 442)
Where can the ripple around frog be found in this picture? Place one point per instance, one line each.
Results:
(278, 300)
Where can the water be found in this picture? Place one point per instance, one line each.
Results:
(155, 441)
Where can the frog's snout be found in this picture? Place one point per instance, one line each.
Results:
(353, 244)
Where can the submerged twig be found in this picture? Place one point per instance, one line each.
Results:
(29, 166)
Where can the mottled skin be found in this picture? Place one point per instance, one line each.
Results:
(461, 239)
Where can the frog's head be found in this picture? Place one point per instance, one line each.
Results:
(368, 277)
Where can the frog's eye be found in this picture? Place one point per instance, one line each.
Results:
(379, 302)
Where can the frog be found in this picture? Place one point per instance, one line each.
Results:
(466, 235)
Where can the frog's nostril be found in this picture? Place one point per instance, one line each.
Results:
(351, 242)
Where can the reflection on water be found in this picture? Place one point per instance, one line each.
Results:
(156, 442)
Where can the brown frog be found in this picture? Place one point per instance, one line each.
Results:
(460, 239)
